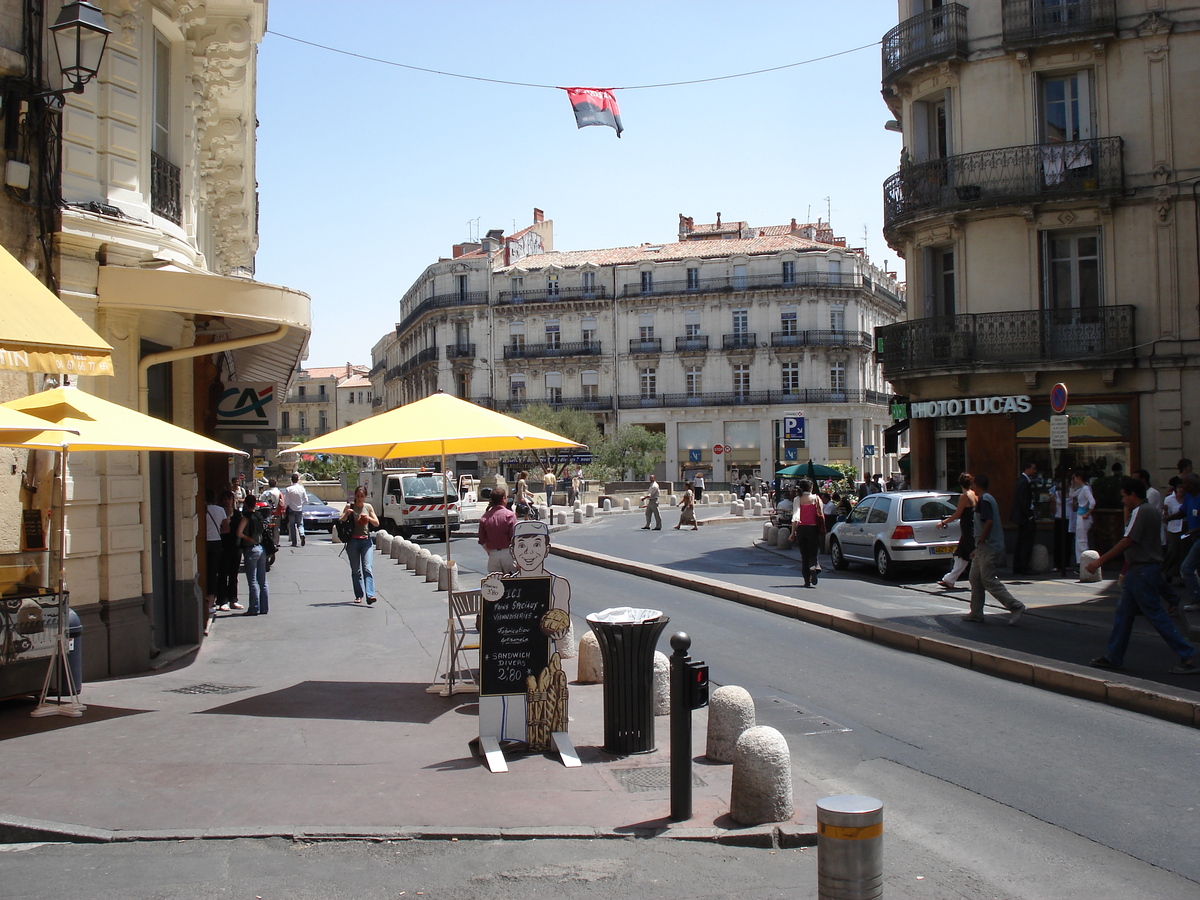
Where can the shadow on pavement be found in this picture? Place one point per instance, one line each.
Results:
(15, 721)
(363, 701)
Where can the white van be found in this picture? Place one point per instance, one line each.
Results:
(412, 501)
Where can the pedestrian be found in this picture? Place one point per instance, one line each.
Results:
(294, 497)
(988, 555)
(231, 554)
(574, 489)
(651, 500)
(1023, 517)
(275, 510)
(1084, 503)
(214, 517)
(1184, 466)
(1173, 513)
(239, 491)
(1141, 587)
(864, 488)
(808, 528)
(687, 511)
(1153, 495)
(496, 531)
(549, 480)
(964, 514)
(1191, 539)
(698, 487)
(875, 487)
(250, 532)
(360, 547)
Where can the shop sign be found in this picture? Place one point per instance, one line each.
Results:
(970, 406)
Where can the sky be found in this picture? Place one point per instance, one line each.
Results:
(369, 172)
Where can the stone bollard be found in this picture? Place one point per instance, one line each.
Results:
(783, 540)
(423, 558)
(607, 504)
(626, 506)
(1086, 557)
(662, 684)
(566, 647)
(849, 848)
(408, 555)
(448, 576)
(591, 663)
(395, 550)
(767, 534)
(737, 508)
(590, 510)
(577, 518)
(560, 518)
(1039, 559)
(432, 565)
(578, 504)
(730, 714)
(762, 778)
(758, 508)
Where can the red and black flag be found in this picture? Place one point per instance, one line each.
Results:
(595, 106)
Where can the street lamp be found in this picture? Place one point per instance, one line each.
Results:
(80, 38)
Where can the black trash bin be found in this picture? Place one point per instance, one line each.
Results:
(627, 649)
(74, 653)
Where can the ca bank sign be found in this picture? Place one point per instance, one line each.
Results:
(247, 405)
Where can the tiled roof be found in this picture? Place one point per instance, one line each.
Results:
(665, 252)
(356, 382)
(334, 371)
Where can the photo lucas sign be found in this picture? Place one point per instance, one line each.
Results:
(970, 406)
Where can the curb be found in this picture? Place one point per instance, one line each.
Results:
(1125, 692)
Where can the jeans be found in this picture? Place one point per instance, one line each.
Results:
(984, 578)
(358, 551)
(295, 522)
(1141, 593)
(549, 496)
(255, 559)
(1188, 567)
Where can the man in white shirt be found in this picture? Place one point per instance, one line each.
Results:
(699, 487)
(294, 496)
(651, 498)
(1153, 497)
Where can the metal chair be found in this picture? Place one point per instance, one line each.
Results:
(464, 637)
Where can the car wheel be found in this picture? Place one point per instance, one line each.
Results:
(835, 553)
(883, 562)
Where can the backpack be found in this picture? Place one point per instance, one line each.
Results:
(345, 529)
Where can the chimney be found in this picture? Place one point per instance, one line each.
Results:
(538, 216)
(718, 220)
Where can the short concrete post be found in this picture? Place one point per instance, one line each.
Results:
(730, 714)
(577, 518)
(560, 518)
(1039, 559)
(432, 565)
(423, 557)
(591, 663)
(758, 508)
(1086, 557)
(768, 536)
(566, 647)
(608, 504)
(737, 508)
(626, 506)
(578, 504)
(849, 848)
(783, 540)
(590, 510)
(408, 555)
(448, 576)
(662, 684)
(762, 778)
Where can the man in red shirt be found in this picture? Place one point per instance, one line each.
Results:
(496, 531)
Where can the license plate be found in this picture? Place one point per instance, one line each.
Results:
(948, 549)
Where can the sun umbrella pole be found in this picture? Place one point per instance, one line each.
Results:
(446, 515)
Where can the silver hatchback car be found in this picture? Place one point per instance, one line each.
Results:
(896, 529)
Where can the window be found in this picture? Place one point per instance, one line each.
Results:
(1071, 263)
(837, 318)
(931, 132)
(322, 423)
(303, 422)
(741, 321)
(360, 397)
(791, 378)
(516, 335)
(694, 381)
(647, 282)
(789, 272)
(462, 381)
(939, 282)
(300, 391)
(739, 278)
(837, 379)
(516, 285)
(350, 397)
(285, 420)
(553, 334)
(646, 326)
(460, 285)
(589, 382)
(693, 278)
(788, 321)
(839, 432)
(516, 388)
(462, 333)
(320, 390)
(162, 96)
(691, 323)
(741, 380)
(551, 285)
(589, 283)
(1066, 108)
(587, 327)
(554, 394)
(648, 379)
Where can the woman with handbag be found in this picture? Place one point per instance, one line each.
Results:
(250, 532)
(808, 531)
(359, 548)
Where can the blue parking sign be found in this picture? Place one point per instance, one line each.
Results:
(793, 427)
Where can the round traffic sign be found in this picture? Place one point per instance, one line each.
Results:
(728, 449)
(1058, 398)
(718, 449)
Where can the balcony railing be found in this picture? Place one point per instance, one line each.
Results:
(589, 404)
(930, 37)
(645, 345)
(309, 398)
(1028, 174)
(552, 295)
(1034, 21)
(691, 344)
(731, 283)
(753, 398)
(442, 301)
(164, 188)
(460, 351)
(821, 338)
(743, 340)
(429, 354)
(1096, 336)
(566, 348)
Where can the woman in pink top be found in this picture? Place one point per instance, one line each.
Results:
(808, 526)
(496, 531)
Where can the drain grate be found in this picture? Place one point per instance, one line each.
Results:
(209, 688)
(650, 778)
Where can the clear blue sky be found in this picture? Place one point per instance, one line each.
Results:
(368, 173)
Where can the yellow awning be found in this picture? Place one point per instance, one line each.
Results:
(40, 333)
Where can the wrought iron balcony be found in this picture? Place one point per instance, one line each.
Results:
(565, 348)
(742, 340)
(821, 338)
(691, 344)
(589, 404)
(930, 37)
(442, 301)
(552, 295)
(308, 398)
(753, 398)
(731, 283)
(428, 355)
(645, 345)
(1029, 22)
(460, 351)
(1096, 337)
(1028, 174)
(164, 188)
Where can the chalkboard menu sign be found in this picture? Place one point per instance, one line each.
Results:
(513, 646)
(32, 530)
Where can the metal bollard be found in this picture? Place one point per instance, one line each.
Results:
(689, 690)
(849, 848)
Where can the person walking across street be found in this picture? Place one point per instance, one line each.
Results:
(294, 497)
(988, 556)
(360, 546)
(1142, 587)
(687, 510)
(808, 529)
(496, 531)
(698, 488)
(651, 500)
(1191, 539)
(250, 532)
(1023, 517)
(548, 483)
(964, 514)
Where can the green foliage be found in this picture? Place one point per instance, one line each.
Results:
(849, 474)
(631, 449)
(326, 466)
(574, 424)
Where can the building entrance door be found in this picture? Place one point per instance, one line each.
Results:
(952, 460)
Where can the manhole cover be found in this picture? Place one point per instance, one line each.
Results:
(208, 688)
(650, 778)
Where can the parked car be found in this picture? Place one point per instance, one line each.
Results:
(318, 515)
(896, 529)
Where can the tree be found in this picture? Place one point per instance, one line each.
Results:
(326, 466)
(573, 424)
(631, 449)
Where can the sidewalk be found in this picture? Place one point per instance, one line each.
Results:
(314, 721)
